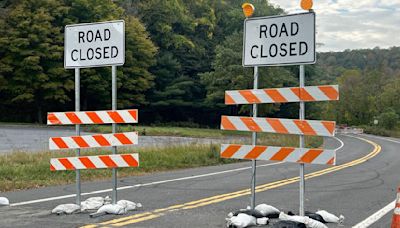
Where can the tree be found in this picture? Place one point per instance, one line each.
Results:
(31, 48)
(229, 74)
(389, 119)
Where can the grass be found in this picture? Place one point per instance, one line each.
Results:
(381, 131)
(25, 170)
(168, 131)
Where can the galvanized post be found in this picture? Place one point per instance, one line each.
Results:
(254, 142)
(302, 117)
(114, 128)
(78, 132)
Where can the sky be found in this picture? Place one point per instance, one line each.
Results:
(352, 24)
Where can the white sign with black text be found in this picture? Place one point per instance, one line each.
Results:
(279, 40)
(94, 44)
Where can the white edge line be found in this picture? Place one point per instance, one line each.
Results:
(148, 184)
(138, 185)
(341, 143)
(376, 216)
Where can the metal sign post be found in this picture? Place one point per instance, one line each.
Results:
(254, 142)
(114, 127)
(301, 117)
(94, 45)
(78, 132)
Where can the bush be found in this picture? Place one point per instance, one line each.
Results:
(388, 119)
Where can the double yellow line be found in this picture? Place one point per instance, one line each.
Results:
(219, 198)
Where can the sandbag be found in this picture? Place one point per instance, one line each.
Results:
(112, 209)
(268, 210)
(254, 213)
(92, 203)
(66, 209)
(289, 224)
(328, 217)
(315, 216)
(310, 223)
(128, 205)
(294, 218)
(241, 221)
(4, 201)
(262, 221)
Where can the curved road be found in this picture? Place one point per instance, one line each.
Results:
(363, 182)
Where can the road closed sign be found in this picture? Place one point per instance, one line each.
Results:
(279, 40)
(94, 44)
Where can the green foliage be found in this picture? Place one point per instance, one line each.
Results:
(31, 62)
(389, 119)
(369, 86)
(31, 50)
(181, 56)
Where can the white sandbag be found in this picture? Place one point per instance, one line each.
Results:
(128, 205)
(294, 218)
(112, 209)
(329, 217)
(92, 203)
(262, 221)
(4, 201)
(107, 200)
(310, 223)
(66, 209)
(266, 209)
(242, 220)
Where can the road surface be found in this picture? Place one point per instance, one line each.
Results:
(363, 182)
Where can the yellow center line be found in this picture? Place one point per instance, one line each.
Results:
(223, 197)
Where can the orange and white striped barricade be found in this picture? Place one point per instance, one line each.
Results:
(281, 126)
(275, 125)
(93, 141)
(95, 162)
(93, 117)
(396, 212)
(284, 154)
(283, 95)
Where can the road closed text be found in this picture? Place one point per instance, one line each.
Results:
(97, 44)
(279, 40)
(103, 52)
(281, 49)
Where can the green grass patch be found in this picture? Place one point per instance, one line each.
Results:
(24, 170)
(169, 131)
(373, 130)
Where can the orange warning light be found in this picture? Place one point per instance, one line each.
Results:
(306, 4)
(248, 9)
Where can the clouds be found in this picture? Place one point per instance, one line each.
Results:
(353, 24)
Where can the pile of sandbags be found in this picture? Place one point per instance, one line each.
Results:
(263, 212)
(248, 217)
(99, 204)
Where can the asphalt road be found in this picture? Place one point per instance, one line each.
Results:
(364, 181)
(34, 138)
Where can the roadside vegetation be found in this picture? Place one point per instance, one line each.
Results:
(25, 170)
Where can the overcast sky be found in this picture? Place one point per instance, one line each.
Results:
(353, 24)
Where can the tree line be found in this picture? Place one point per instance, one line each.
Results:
(181, 55)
